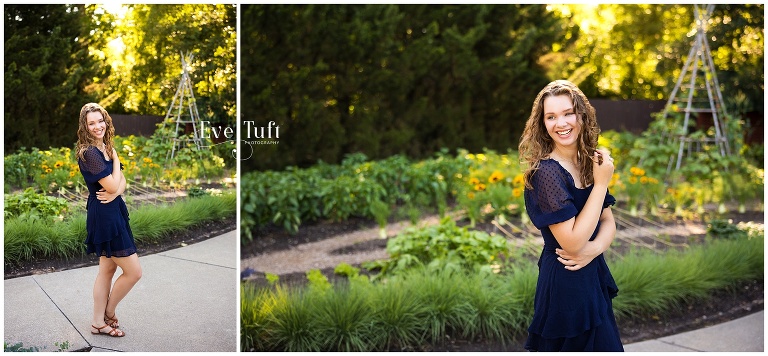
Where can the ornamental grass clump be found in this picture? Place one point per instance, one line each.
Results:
(398, 317)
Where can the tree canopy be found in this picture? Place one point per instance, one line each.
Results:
(636, 51)
(389, 79)
(48, 73)
(59, 57)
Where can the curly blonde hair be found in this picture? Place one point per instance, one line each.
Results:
(85, 138)
(536, 144)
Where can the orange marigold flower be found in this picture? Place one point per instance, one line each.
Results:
(637, 171)
(495, 177)
(519, 180)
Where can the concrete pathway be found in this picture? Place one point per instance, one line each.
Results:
(185, 301)
(745, 334)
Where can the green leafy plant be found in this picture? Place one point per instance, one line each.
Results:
(197, 192)
(725, 229)
(272, 278)
(443, 246)
(345, 269)
(380, 211)
(317, 280)
(32, 203)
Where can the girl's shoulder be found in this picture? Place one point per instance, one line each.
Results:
(549, 165)
(90, 152)
(548, 170)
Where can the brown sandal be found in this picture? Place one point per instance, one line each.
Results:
(111, 321)
(114, 332)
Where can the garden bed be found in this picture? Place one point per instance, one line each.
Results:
(197, 233)
(720, 306)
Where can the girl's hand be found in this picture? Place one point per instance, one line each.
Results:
(578, 261)
(106, 197)
(602, 166)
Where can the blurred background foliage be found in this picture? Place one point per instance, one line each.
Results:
(413, 79)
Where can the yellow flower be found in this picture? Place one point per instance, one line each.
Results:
(517, 192)
(71, 173)
(495, 177)
(44, 166)
(519, 180)
(637, 171)
(479, 186)
(471, 195)
(48, 170)
(632, 180)
(147, 160)
(58, 164)
(653, 180)
(643, 180)
(474, 181)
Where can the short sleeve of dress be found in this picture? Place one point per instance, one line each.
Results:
(609, 200)
(94, 167)
(550, 201)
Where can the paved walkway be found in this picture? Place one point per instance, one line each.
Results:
(185, 301)
(745, 334)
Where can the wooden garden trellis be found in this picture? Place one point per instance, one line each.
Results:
(698, 75)
(183, 111)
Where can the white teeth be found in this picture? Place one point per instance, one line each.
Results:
(563, 133)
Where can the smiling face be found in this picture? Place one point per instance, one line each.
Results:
(561, 121)
(97, 126)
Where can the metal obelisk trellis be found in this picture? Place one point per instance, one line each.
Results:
(183, 111)
(698, 75)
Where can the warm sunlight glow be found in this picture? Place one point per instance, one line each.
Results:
(116, 9)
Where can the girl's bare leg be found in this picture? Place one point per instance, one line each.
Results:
(101, 288)
(131, 274)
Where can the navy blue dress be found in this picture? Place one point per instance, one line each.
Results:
(107, 224)
(572, 309)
